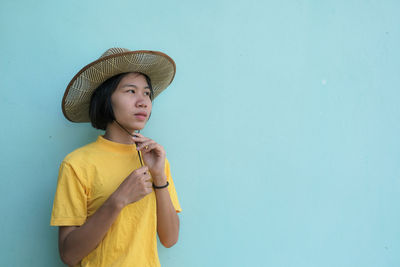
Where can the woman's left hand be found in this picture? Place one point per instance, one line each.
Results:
(153, 155)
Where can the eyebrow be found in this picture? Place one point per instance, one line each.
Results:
(132, 85)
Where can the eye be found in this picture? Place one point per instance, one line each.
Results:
(131, 91)
(147, 93)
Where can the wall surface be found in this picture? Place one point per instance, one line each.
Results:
(282, 125)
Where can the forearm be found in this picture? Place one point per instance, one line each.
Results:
(84, 239)
(167, 219)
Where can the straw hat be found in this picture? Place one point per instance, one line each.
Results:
(158, 66)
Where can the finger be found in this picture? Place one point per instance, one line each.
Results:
(148, 190)
(146, 145)
(146, 176)
(152, 147)
(148, 185)
(139, 139)
(144, 181)
(142, 170)
(138, 136)
(157, 148)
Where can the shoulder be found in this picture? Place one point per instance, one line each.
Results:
(80, 164)
(82, 154)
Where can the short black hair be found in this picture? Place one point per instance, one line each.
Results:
(101, 112)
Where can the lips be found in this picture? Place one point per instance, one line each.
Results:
(141, 115)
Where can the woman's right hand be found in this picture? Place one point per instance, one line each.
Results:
(136, 186)
(75, 242)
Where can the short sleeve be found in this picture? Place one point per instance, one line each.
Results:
(171, 188)
(70, 201)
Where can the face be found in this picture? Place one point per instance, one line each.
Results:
(131, 102)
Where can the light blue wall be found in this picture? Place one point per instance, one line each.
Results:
(282, 125)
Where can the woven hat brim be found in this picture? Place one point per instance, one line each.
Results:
(157, 65)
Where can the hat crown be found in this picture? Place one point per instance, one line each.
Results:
(113, 51)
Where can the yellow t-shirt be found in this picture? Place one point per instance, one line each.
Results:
(87, 177)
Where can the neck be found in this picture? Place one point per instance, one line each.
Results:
(117, 133)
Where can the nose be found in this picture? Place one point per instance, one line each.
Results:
(141, 103)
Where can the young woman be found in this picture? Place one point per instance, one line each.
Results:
(114, 195)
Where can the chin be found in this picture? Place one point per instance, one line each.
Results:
(138, 126)
(133, 126)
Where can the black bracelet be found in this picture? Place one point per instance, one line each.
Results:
(160, 187)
